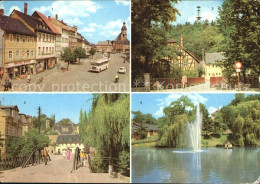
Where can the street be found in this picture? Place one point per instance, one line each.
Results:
(79, 79)
(57, 170)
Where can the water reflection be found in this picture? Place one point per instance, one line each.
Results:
(211, 165)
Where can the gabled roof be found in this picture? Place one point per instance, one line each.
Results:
(48, 22)
(147, 127)
(15, 26)
(7, 110)
(211, 58)
(34, 22)
(65, 139)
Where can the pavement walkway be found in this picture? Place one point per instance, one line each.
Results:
(58, 170)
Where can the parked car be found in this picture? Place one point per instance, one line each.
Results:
(122, 70)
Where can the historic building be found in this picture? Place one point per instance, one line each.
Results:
(121, 43)
(17, 47)
(211, 67)
(104, 46)
(45, 45)
(150, 130)
(185, 59)
(26, 121)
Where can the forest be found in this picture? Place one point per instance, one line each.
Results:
(238, 122)
(235, 33)
(106, 128)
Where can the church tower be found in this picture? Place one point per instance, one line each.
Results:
(124, 32)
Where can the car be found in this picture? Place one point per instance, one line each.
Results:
(122, 70)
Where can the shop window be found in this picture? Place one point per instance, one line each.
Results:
(17, 54)
(28, 39)
(11, 37)
(10, 54)
(23, 39)
(17, 38)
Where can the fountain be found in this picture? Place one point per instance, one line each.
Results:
(194, 131)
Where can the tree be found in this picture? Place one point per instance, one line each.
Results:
(107, 126)
(150, 21)
(141, 118)
(239, 23)
(65, 121)
(68, 55)
(92, 51)
(79, 53)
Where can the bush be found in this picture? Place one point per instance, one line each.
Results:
(124, 163)
(99, 165)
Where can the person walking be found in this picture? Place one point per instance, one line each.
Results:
(6, 85)
(82, 156)
(28, 78)
(68, 154)
(183, 81)
(64, 153)
(45, 155)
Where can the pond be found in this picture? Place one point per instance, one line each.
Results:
(210, 165)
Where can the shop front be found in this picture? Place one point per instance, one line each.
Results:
(45, 64)
(20, 68)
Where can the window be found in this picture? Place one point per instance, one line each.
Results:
(23, 39)
(17, 54)
(43, 50)
(17, 38)
(23, 54)
(11, 38)
(43, 37)
(70, 138)
(28, 53)
(47, 39)
(10, 54)
(28, 39)
(53, 50)
(185, 63)
(39, 50)
(46, 50)
(32, 54)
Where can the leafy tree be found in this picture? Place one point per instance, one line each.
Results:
(80, 53)
(139, 117)
(239, 97)
(65, 121)
(150, 21)
(239, 24)
(107, 126)
(68, 55)
(92, 51)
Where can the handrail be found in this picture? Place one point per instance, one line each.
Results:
(31, 157)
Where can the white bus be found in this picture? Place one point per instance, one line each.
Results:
(99, 65)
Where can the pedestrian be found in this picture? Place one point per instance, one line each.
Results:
(82, 156)
(45, 155)
(28, 78)
(183, 81)
(68, 154)
(10, 83)
(6, 85)
(64, 153)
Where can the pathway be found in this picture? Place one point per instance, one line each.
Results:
(57, 170)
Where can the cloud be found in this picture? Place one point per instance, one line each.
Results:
(74, 21)
(206, 15)
(87, 30)
(123, 2)
(14, 8)
(212, 109)
(68, 9)
(162, 103)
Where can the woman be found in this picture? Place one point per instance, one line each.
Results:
(68, 154)
(64, 153)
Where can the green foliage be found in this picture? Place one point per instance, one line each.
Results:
(239, 24)
(139, 117)
(20, 147)
(124, 162)
(43, 119)
(65, 121)
(68, 55)
(150, 21)
(106, 126)
(92, 51)
(80, 53)
(99, 165)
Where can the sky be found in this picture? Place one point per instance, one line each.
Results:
(62, 105)
(154, 103)
(97, 20)
(188, 10)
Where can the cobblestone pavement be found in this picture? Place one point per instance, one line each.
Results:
(79, 79)
(57, 170)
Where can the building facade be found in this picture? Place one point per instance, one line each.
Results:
(185, 60)
(211, 67)
(18, 47)
(121, 43)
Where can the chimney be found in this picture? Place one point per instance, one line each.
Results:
(56, 16)
(25, 8)
(181, 41)
(49, 17)
(2, 11)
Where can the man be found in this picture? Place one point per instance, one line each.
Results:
(82, 156)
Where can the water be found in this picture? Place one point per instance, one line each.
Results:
(210, 165)
(194, 131)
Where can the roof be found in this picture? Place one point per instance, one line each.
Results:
(6, 109)
(15, 26)
(67, 129)
(48, 22)
(34, 22)
(104, 43)
(147, 127)
(171, 41)
(64, 139)
(211, 58)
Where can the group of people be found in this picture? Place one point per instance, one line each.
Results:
(66, 153)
